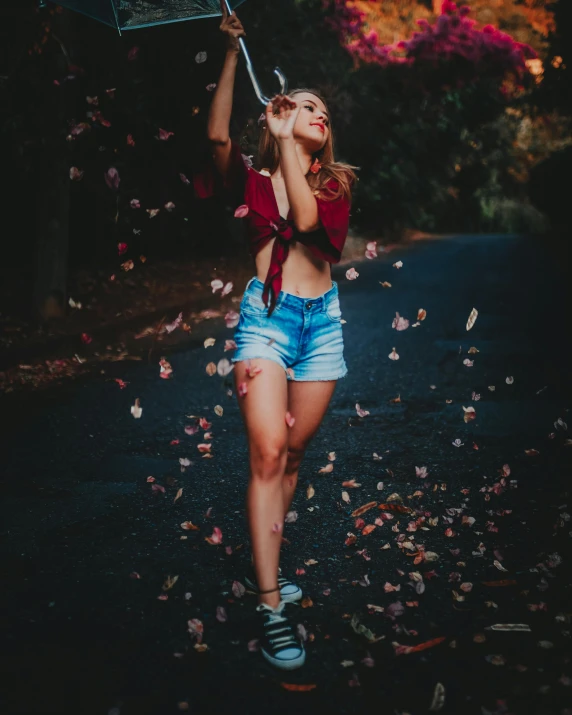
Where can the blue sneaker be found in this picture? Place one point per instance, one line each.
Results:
(278, 642)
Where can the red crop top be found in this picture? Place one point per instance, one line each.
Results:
(245, 185)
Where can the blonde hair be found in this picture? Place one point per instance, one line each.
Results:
(344, 174)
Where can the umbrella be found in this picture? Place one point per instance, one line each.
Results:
(136, 14)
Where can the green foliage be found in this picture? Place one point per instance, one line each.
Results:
(433, 155)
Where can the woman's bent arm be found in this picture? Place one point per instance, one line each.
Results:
(300, 197)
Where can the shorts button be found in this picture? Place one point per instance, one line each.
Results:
(308, 305)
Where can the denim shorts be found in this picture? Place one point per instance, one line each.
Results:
(303, 335)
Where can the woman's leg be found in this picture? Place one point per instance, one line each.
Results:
(307, 403)
(263, 410)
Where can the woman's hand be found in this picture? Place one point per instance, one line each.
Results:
(232, 28)
(281, 114)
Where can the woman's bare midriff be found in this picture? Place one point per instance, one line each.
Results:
(303, 274)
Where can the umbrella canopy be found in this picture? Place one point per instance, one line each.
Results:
(135, 14)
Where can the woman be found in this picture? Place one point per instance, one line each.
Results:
(289, 336)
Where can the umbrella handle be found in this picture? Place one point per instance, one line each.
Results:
(277, 71)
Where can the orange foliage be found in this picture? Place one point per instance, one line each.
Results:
(529, 22)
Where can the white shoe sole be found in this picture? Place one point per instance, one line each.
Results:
(285, 664)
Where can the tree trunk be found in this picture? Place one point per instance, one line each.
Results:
(52, 238)
(53, 198)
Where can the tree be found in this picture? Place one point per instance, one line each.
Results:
(527, 21)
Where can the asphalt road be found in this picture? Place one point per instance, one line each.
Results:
(88, 545)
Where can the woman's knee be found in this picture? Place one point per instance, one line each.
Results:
(268, 461)
(294, 458)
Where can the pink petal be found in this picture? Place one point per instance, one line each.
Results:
(241, 211)
(112, 178)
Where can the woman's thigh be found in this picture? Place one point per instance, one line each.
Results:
(308, 403)
(263, 407)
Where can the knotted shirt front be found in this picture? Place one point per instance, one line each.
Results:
(246, 186)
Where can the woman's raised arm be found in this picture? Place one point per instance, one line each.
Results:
(221, 106)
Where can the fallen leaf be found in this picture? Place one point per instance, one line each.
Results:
(170, 582)
(407, 649)
(365, 507)
(509, 627)
(503, 582)
(360, 412)
(327, 469)
(238, 589)
(299, 688)
(470, 413)
(189, 526)
(210, 369)
(438, 700)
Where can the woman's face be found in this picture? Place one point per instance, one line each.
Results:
(312, 127)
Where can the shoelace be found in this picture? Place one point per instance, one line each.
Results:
(272, 628)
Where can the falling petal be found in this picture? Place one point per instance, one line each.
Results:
(241, 211)
(112, 179)
(472, 317)
(216, 537)
(164, 135)
(400, 323)
(136, 409)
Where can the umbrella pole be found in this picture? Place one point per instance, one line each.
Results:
(115, 16)
(277, 71)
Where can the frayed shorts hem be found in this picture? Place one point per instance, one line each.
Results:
(291, 379)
